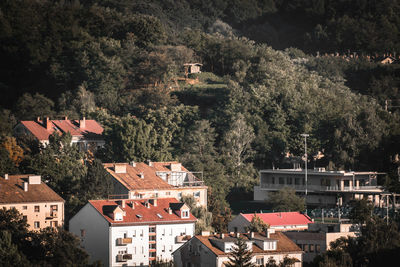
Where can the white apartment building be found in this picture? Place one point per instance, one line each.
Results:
(138, 180)
(132, 232)
(324, 188)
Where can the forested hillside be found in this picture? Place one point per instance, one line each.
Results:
(119, 62)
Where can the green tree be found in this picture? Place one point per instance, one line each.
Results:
(257, 225)
(97, 183)
(240, 256)
(361, 210)
(10, 255)
(30, 107)
(286, 200)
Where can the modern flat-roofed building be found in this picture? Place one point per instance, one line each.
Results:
(87, 134)
(214, 250)
(38, 203)
(133, 232)
(324, 188)
(138, 180)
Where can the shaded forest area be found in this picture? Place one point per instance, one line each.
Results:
(118, 62)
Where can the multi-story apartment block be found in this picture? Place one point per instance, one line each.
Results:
(87, 134)
(133, 232)
(214, 250)
(156, 180)
(38, 203)
(324, 188)
(317, 238)
(279, 221)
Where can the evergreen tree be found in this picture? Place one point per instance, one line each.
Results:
(240, 256)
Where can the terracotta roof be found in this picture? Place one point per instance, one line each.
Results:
(137, 212)
(92, 129)
(131, 178)
(165, 166)
(280, 218)
(284, 244)
(12, 191)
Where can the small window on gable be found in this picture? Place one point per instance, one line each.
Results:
(185, 214)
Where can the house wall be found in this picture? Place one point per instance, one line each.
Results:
(196, 254)
(93, 231)
(277, 257)
(32, 216)
(239, 223)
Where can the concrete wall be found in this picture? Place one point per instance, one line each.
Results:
(93, 231)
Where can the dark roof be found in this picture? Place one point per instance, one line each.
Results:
(12, 191)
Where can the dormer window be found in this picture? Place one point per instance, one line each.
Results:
(118, 216)
(185, 214)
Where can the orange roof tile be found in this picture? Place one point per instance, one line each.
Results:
(12, 191)
(280, 218)
(92, 129)
(284, 244)
(131, 179)
(137, 213)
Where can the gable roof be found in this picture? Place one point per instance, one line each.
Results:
(280, 218)
(12, 191)
(284, 244)
(91, 130)
(136, 211)
(131, 178)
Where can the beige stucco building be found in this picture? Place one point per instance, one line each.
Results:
(138, 180)
(38, 203)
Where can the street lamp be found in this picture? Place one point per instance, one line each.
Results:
(305, 167)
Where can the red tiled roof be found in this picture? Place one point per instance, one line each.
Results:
(280, 218)
(12, 191)
(165, 166)
(92, 129)
(146, 215)
(131, 180)
(284, 244)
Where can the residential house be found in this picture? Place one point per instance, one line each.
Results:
(38, 203)
(87, 134)
(156, 180)
(324, 188)
(279, 221)
(132, 232)
(318, 237)
(191, 68)
(214, 250)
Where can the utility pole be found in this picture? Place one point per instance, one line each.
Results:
(305, 167)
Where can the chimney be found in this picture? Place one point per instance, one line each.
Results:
(222, 235)
(82, 123)
(120, 168)
(237, 235)
(150, 163)
(147, 204)
(205, 233)
(26, 186)
(37, 119)
(47, 124)
(65, 118)
(133, 163)
(6, 176)
(141, 175)
(251, 234)
(169, 211)
(121, 203)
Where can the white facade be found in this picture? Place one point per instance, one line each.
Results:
(128, 244)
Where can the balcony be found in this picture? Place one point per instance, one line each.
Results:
(182, 238)
(124, 241)
(320, 188)
(52, 214)
(124, 257)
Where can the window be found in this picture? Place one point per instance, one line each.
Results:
(179, 195)
(83, 232)
(25, 218)
(36, 224)
(37, 208)
(170, 248)
(152, 229)
(152, 246)
(54, 224)
(196, 194)
(317, 248)
(24, 207)
(54, 207)
(168, 193)
(260, 261)
(296, 181)
(134, 233)
(281, 180)
(305, 248)
(289, 180)
(273, 180)
(152, 238)
(185, 214)
(311, 247)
